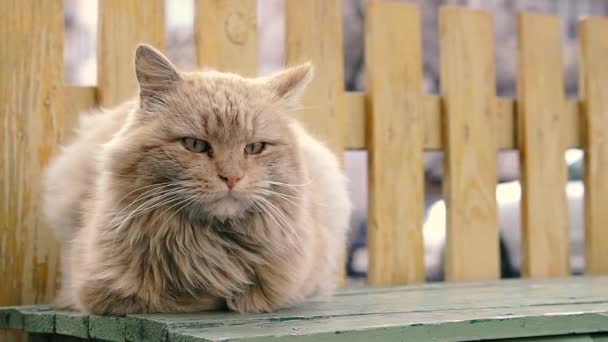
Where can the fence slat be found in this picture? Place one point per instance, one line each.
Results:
(122, 25)
(395, 152)
(594, 95)
(541, 109)
(31, 123)
(314, 33)
(78, 99)
(354, 120)
(225, 35)
(468, 90)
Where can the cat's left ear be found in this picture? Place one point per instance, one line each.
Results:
(155, 73)
(290, 84)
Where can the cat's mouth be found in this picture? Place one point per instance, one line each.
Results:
(228, 204)
(227, 208)
(230, 197)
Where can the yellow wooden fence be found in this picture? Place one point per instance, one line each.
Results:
(393, 120)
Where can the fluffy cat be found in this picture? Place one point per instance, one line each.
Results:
(202, 193)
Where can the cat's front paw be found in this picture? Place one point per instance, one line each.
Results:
(252, 301)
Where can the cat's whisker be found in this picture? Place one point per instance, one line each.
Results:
(302, 108)
(185, 203)
(158, 203)
(149, 205)
(169, 208)
(163, 190)
(295, 197)
(289, 185)
(293, 188)
(285, 227)
(280, 215)
(153, 187)
(284, 197)
(266, 214)
(132, 214)
(139, 189)
(166, 186)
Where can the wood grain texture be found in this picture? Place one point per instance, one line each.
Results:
(469, 99)
(594, 96)
(225, 35)
(314, 34)
(393, 67)
(31, 124)
(355, 114)
(122, 25)
(78, 100)
(506, 126)
(541, 108)
(437, 312)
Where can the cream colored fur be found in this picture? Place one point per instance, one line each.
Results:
(149, 226)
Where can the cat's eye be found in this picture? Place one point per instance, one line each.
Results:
(196, 145)
(255, 148)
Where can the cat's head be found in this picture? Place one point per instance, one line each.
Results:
(211, 141)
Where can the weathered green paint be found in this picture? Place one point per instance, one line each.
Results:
(39, 322)
(133, 329)
(532, 310)
(13, 317)
(404, 327)
(72, 324)
(107, 328)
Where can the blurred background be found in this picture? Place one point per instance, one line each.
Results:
(80, 69)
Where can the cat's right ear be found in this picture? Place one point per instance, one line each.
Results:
(290, 84)
(155, 74)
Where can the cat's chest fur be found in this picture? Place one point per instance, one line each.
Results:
(189, 257)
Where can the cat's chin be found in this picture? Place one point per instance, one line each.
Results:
(227, 207)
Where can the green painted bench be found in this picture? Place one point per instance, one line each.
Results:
(572, 309)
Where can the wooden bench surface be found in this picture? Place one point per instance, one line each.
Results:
(432, 312)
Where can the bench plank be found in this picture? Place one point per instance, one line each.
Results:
(72, 324)
(417, 326)
(107, 328)
(577, 338)
(444, 312)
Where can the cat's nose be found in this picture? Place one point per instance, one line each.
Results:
(230, 180)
